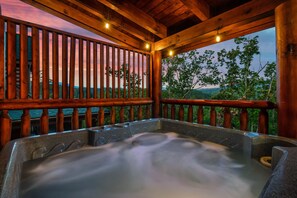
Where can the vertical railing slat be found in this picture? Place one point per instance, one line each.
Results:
(88, 117)
(113, 72)
(138, 74)
(244, 119)
(133, 75)
(124, 72)
(129, 74)
(64, 66)
(88, 59)
(35, 63)
(24, 72)
(147, 76)
(11, 60)
(55, 65)
(44, 122)
(95, 70)
(101, 71)
(119, 73)
(72, 68)
(107, 69)
(142, 79)
(81, 68)
(2, 73)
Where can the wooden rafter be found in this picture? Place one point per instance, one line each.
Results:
(96, 9)
(232, 31)
(81, 19)
(136, 15)
(244, 12)
(199, 7)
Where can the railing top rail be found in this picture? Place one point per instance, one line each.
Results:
(258, 104)
(70, 103)
(17, 21)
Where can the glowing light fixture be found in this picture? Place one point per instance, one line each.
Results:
(170, 53)
(107, 25)
(218, 38)
(147, 46)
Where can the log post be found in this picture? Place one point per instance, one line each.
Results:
(190, 113)
(157, 83)
(213, 116)
(165, 111)
(5, 128)
(244, 119)
(25, 123)
(75, 119)
(173, 112)
(101, 116)
(122, 114)
(200, 115)
(227, 118)
(286, 40)
(44, 122)
(263, 122)
(181, 113)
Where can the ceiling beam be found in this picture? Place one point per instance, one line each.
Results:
(98, 10)
(137, 16)
(83, 20)
(244, 12)
(200, 8)
(230, 32)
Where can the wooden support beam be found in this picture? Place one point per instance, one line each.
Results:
(286, 40)
(238, 15)
(199, 7)
(83, 20)
(157, 83)
(227, 33)
(136, 15)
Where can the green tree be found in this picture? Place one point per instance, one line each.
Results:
(188, 71)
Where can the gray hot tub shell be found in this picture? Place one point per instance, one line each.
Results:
(284, 151)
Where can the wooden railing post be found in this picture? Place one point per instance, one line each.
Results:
(181, 113)
(75, 119)
(101, 116)
(139, 112)
(173, 112)
(25, 123)
(112, 115)
(131, 114)
(148, 111)
(88, 117)
(122, 114)
(60, 120)
(190, 113)
(263, 122)
(200, 115)
(227, 118)
(157, 83)
(5, 128)
(213, 116)
(165, 111)
(244, 119)
(44, 123)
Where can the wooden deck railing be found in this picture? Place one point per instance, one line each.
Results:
(44, 68)
(263, 106)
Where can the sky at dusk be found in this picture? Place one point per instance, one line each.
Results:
(20, 10)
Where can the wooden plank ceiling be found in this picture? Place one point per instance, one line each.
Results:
(180, 25)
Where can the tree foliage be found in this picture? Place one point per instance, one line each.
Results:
(185, 72)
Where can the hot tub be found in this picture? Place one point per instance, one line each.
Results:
(22, 158)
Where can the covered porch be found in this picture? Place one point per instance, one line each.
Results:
(123, 80)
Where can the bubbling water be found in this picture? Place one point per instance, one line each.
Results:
(148, 165)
